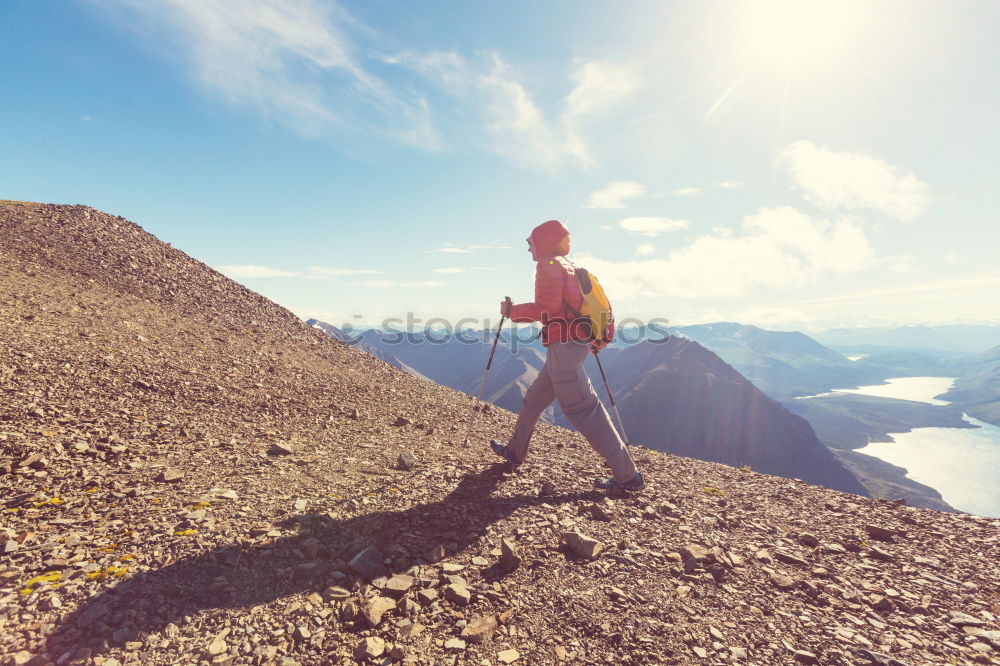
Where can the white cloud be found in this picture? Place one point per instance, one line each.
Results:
(687, 192)
(644, 249)
(776, 248)
(464, 269)
(843, 180)
(652, 226)
(422, 283)
(449, 250)
(731, 185)
(517, 126)
(606, 227)
(291, 59)
(390, 284)
(253, 271)
(599, 86)
(324, 270)
(613, 194)
(468, 249)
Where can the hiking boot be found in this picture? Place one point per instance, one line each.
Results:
(504, 452)
(636, 484)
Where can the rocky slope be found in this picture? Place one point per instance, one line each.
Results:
(191, 475)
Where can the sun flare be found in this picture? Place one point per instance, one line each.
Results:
(796, 33)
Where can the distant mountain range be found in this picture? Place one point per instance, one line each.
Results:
(782, 364)
(960, 339)
(978, 389)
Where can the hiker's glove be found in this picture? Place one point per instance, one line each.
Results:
(505, 307)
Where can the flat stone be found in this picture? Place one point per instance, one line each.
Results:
(427, 596)
(804, 657)
(965, 620)
(457, 594)
(582, 545)
(693, 551)
(280, 449)
(369, 648)
(170, 475)
(880, 554)
(508, 656)
(399, 585)
(809, 540)
(336, 593)
(454, 644)
(411, 630)
(480, 629)
(781, 581)
(376, 608)
(369, 563)
(991, 636)
(880, 533)
(788, 558)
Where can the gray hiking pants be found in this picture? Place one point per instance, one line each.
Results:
(563, 378)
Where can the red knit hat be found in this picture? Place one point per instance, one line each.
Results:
(547, 236)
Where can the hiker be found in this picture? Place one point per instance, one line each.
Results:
(568, 340)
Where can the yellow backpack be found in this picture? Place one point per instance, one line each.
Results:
(595, 305)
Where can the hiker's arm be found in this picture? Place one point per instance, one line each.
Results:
(548, 294)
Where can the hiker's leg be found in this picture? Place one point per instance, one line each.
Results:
(584, 410)
(538, 396)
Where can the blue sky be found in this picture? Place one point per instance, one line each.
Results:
(791, 164)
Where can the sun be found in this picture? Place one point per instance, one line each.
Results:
(795, 34)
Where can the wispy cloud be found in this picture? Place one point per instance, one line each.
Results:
(467, 249)
(644, 249)
(392, 284)
(852, 181)
(776, 247)
(326, 270)
(732, 185)
(466, 269)
(254, 271)
(652, 226)
(517, 125)
(297, 61)
(687, 192)
(614, 194)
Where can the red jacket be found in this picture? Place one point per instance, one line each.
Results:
(557, 293)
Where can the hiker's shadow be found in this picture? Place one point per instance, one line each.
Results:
(243, 575)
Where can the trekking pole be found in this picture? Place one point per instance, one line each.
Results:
(486, 373)
(614, 406)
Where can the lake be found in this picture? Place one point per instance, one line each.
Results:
(962, 464)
